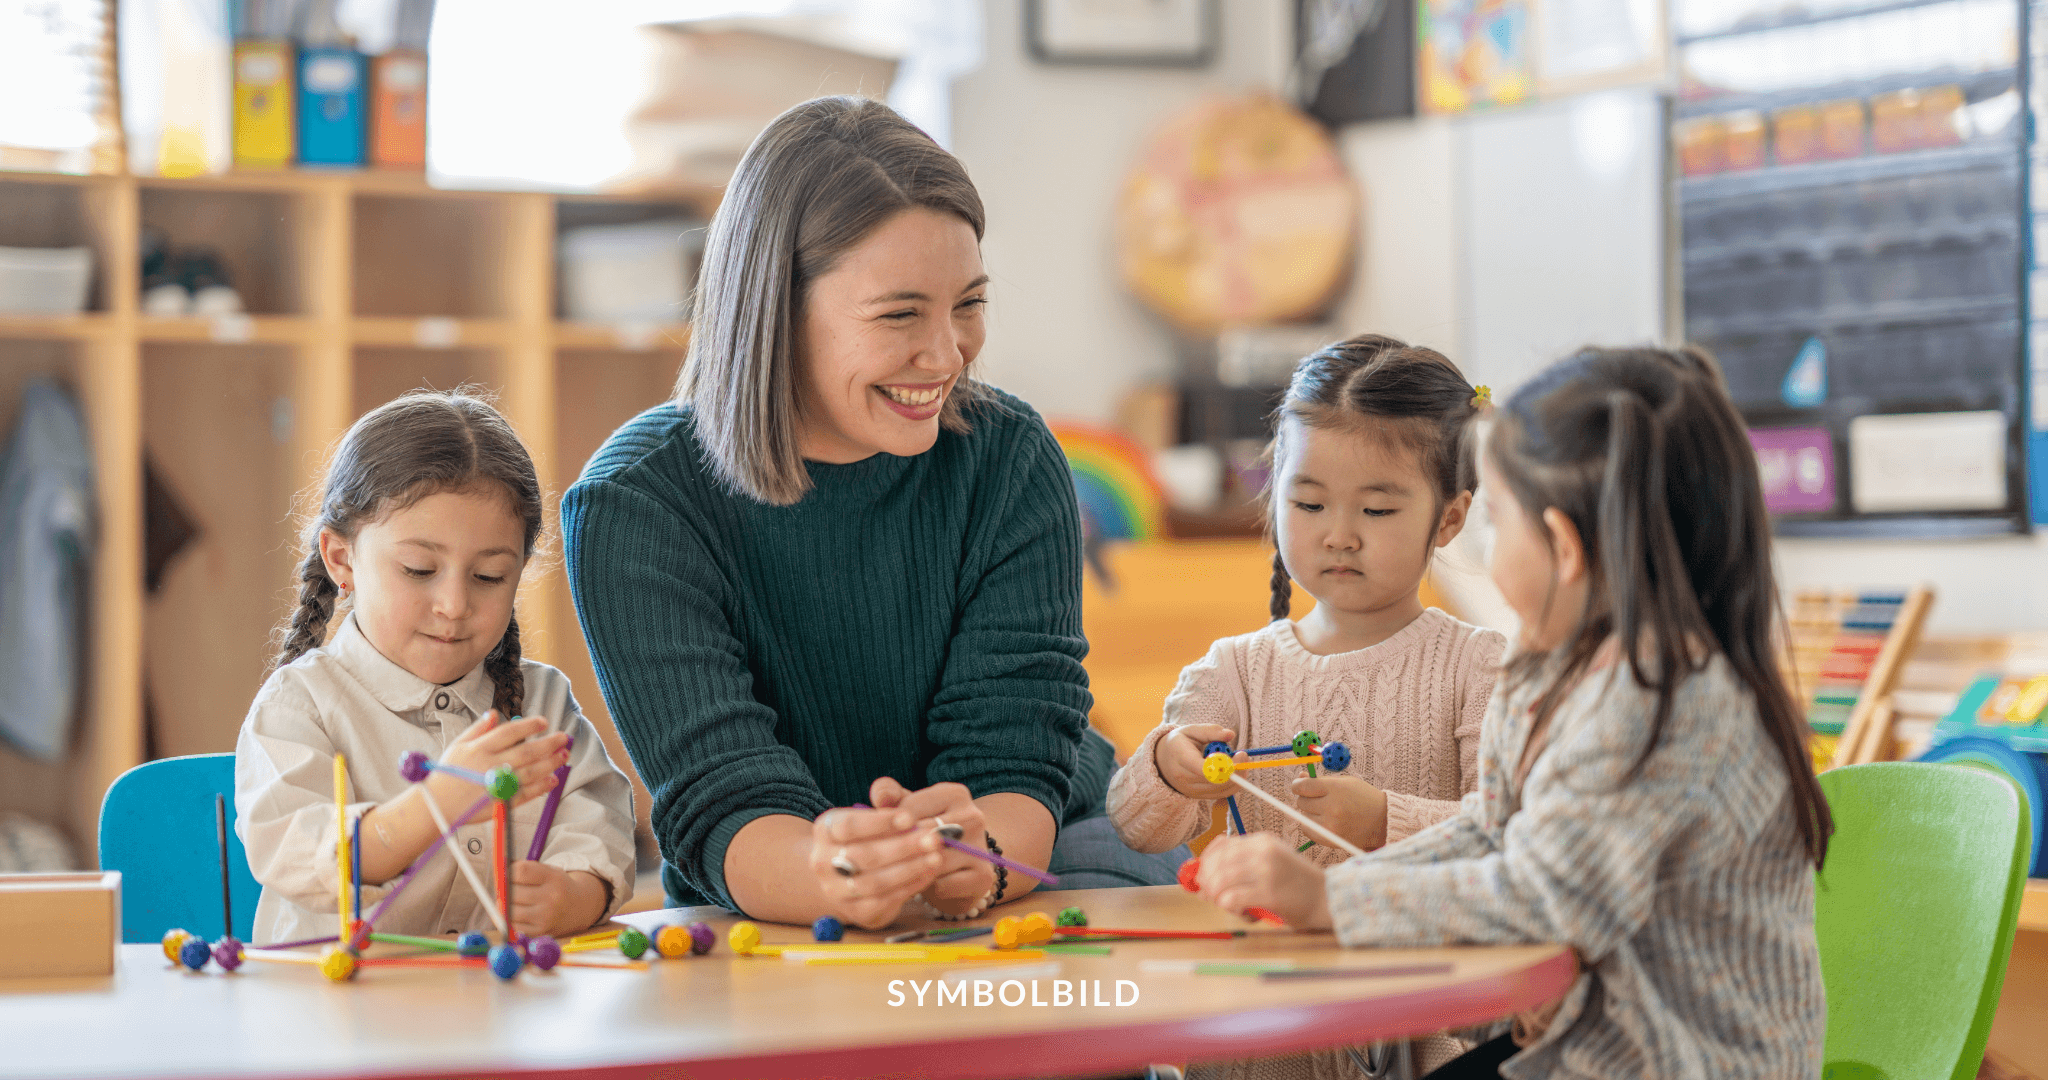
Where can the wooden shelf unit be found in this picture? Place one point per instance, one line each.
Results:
(359, 286)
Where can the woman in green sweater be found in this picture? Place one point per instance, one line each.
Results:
(837, 570)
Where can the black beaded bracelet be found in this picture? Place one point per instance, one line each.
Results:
(1002, 872)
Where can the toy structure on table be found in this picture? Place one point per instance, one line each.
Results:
(341, 956)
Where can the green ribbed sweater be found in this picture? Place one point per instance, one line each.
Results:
(913, 617)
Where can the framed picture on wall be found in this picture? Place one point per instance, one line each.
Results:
(1146, 33)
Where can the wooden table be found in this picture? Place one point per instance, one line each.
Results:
(726, 1016)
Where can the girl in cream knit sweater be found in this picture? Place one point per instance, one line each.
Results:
(1372, 472)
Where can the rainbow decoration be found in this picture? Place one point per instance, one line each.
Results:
(1120, 499)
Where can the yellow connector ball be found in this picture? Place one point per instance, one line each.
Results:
(1216, 768)
(174, 940)
(743, 938)
(337, 963)
(1035, 929)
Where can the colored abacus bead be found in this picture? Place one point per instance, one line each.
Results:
(1217, 768)
(227, 952)
(543, 952)
(827, 928)
(472, 944)
(1336, 756)
(503, 784)
(174, 940)
(1188, 871)
(701, 938)
(1072, 916)
(414, 766)
(1305, 743)
(505, 960)
(632, 942)
(743, 937)
(1216, 748)
(194, 953)
(337, 963)
(673, 942)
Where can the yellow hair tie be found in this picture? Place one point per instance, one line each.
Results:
(1482, 397)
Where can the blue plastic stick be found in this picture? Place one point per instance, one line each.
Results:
(355, 851)
(1263, 750)
(470, 775)
(1236, 818)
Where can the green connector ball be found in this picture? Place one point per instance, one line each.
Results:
(502, 783)
(632, 942)
(1304, 742)
(1072, 916)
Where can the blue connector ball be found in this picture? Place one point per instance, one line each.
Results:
(1216, 748)
(827, 928)
(505, 961)
(195, 953)
(472, 944)
(1336, 756)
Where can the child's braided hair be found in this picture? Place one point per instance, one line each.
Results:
(424, 443)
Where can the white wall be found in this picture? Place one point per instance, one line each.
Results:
(1048, 147)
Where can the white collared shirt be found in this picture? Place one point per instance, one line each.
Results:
(347, 698)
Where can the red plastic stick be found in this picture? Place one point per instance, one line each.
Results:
(1097, 931)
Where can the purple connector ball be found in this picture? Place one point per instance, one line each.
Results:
(827, 928)
(543, 952)
(413, 766)
(702, 938)
(1336, 756)
(505, 961)
(227, 952)
(195, 953)
(472, 944)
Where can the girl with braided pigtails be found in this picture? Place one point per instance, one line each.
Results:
(1372, 473)
(429, 514)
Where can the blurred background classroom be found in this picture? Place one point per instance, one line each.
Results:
(229, 227)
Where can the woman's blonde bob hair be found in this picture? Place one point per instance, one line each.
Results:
(814, 184)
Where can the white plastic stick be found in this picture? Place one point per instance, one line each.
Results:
(1332, 838)
(461, 863)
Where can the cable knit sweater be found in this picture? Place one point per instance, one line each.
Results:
(1409, 708)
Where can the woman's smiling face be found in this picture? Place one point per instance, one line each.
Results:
(884, 336)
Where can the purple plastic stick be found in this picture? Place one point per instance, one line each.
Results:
(991, 856)
(547, 810)
(371, 922)
(329, 939)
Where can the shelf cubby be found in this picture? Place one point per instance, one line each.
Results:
(254, 234)
(437, 256)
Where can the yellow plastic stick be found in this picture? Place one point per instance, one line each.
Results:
(1332, 838)
(852, 959)
(1314, 760)
(341, 839)
(592, 945)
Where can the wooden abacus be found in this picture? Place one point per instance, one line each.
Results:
(1847, 651)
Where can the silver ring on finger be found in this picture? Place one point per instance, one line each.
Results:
(846, 867)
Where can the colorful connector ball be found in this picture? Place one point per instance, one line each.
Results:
(472, 944)
(827, 928)
(673, 942)
(506, 961)
(174, 940)
(1336, 756)
(337, 963)
(1217, 768)
(1072, 916)
(633, 942)
(1187, 873)
(543, 952)
(414, 766)
(502, 783)
(1305, 743)
(194, 953)
(227, 952)
(702, 938)
(1216, 748)
(743, 937)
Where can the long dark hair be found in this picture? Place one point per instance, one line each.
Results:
(403, 451)
(1644, 452)
(816, 181)
(1424, 397)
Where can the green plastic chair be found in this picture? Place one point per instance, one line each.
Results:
(1915, 913)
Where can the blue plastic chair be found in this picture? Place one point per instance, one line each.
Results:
(157, 829)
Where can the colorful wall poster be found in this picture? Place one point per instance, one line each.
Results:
(1473, 53)
(1797, 467)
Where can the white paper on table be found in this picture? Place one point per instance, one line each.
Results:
(1928, 461)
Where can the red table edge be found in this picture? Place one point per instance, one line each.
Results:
(1094, 1050)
